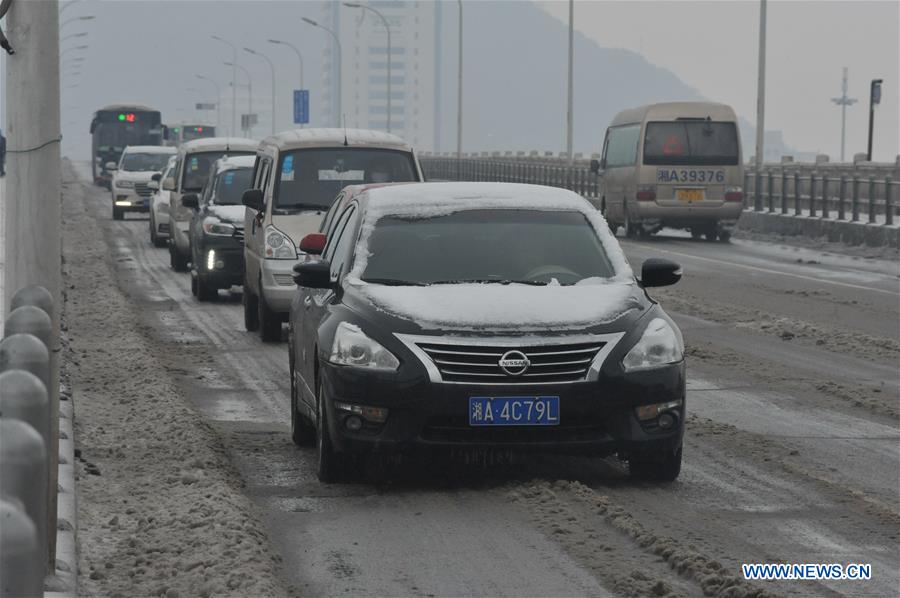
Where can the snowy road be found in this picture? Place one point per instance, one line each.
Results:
(792, 449)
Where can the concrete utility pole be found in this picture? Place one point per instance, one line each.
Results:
(272, 66)
(570, 101)
(843, 102)
(760, 107)
(459, 97)
(233, 81)
(874, 100)
(33, 185)
(387, 28)
(337, 86)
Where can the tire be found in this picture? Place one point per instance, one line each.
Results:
(269, 322)
(725, 236)
(159, 242)
(665, 469)
(118, 214)
(696, 234)
(711, 236)
(303, 432)
(194, 285)
(631, 231)
(205, 292)
(251, 310)
(178, 263)
(154, 240)
(331, 466)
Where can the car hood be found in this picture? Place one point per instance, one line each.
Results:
(134, 175)
(298, 225)
(228, 213)
(508, 308)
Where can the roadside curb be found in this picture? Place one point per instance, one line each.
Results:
(64, 584)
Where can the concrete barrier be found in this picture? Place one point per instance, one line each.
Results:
(836, 231)
(23, 475)
(20, 557)
(25, 352)
(33, 294)
(24, 397)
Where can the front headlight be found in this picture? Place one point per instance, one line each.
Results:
(659, 345)
(352, 347)
(125, 184)
(278, 245)
(217, 228)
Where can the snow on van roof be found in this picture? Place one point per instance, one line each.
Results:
(233, 162)
(430, 200)
(150, 149)
(334, 136)
(220, 143)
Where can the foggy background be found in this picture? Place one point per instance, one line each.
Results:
(626, 54)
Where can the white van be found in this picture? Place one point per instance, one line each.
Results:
(195, 158)
(674, 165)
(298, 175)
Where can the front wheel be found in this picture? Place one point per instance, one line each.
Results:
(118, 214)
(303, 432)
(251, 310)
(725, 236)
(178, 263)
(269, 322)
(665, 469)
(631, 230)
(331, 466)
(205, 291)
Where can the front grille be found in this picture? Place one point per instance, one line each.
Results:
(480, 364)
(239, 235)
(450, 432)
(163, 227)
(143, 190)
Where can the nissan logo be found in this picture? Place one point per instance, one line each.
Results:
(514, 363)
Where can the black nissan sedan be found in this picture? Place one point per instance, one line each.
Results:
(217, 227)
(482, 316)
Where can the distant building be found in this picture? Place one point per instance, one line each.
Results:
(415, 69)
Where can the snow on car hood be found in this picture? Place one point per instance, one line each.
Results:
(495, 306)
(135, 175)
(228, 213)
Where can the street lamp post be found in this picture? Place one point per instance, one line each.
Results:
(218, 98)
(570, 116)
(249, 96)
(299, 57)
(339, 75)
(459, 97)
(843, 102)
(233, 80)
(760, 109)
(387, 27)
(272, 66)
(874, 99)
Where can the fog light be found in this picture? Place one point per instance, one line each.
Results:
(123, 203)
(648, 412)
(219, 264)
(211, 260)
(376, 415)
(353, 423)
(667, 421)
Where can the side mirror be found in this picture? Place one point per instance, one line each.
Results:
(313, 243)
(111, 166)
(168, 184)
(253, 199)
(190, 200)
(657, 272)
(595, 166)
(156, 177)
(313, 275)
(153, 185)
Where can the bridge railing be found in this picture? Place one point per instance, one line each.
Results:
(861, 191)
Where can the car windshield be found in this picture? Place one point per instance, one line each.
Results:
(491, 246)
(691, 142)
(230, 186)
(144, 162)
(196, 168)
(312, 178)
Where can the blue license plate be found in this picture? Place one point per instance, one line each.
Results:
(513, 411)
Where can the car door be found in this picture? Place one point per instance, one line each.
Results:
(314, 302)
(254, 239)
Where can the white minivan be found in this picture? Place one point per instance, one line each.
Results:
(298, 175)
(195, 158)
(676, 165)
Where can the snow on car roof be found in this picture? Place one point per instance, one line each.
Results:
(429, 200)
(150, 149)
(234, 162)
(219, 143)
(317, 137)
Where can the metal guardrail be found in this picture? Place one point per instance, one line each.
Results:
(827, 190)
(24, 440)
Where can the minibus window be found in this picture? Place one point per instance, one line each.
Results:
(696, 142)
(622, 146)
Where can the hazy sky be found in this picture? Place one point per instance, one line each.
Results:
(713, 46)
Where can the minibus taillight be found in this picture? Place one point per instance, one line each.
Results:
(734, 194)
(646, 194)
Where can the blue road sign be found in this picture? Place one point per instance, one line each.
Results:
(301, 106)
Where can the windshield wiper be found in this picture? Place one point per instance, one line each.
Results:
(394, 282)
(297, 207)
(503, 281)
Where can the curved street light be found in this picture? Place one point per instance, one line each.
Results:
(299, 57)
(249, 93)
(73, 48)
(233, 81)
(387, 28)
(272, 66)
(71, 35)
(338, 85)
(73, 19)
(68, 4)
(218, 98)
